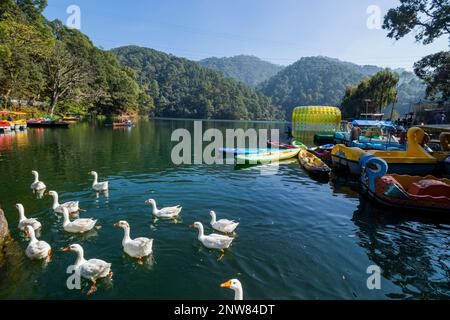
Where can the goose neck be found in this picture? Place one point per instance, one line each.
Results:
(21, 213)
(55, 200)
(238, 294)
(126, 235)
(201, 232)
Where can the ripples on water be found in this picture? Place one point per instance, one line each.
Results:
(298, 238)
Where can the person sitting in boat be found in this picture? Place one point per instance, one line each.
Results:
(355, 133)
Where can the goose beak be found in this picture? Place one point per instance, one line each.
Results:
(192, 226)
(66, 249)
(116, 225)
(226, 284)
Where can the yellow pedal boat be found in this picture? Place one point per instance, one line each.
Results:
(414, 161)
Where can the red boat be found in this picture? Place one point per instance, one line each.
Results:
(279, 145)
(323, 152)
(403, 192)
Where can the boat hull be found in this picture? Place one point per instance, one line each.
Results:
(420, 169)
(268, 157)
(312, 163)
(48, 125)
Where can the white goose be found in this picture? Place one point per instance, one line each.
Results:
(214, 240)
(24, 221)
(222, 225)
(77, 225)
(71, 206)
(164, 213)
(98, 186)
(37, 249)
(136, 248)
(37, 185)
(236, 286)
(91, 269)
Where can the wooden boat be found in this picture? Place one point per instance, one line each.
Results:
(403, 191)
(312, 163)
(415, 160)
(126, 123)
(266, 157)
(47, 124)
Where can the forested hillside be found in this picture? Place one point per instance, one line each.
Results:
(183, 88)
(248, 69)
(323, 81)
(59, 68)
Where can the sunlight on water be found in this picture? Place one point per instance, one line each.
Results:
(297, 238)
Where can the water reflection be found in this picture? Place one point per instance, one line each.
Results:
(412, 253)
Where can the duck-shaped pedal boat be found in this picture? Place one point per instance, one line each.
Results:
(415, 160)
(403, 191)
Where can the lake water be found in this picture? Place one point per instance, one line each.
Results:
(298, 238)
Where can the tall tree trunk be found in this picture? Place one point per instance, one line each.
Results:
(53, 105)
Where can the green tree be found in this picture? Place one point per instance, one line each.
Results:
(380, 89)
(435, 70)
(429, 19)
(64, 74)
(22, 50)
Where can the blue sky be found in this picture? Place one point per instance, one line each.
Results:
(280, 31)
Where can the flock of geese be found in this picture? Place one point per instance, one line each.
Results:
(138, 248)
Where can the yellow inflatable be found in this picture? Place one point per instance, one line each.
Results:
(315, 119)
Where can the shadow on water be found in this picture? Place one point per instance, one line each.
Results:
(412, 251)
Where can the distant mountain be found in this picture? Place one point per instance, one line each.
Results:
(322, 81)
(248, 69)
(183, 88)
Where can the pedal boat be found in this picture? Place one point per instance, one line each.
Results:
(403, 191)
(414, 160)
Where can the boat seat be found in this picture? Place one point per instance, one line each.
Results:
(429, 187)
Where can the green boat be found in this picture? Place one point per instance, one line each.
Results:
(298, 144)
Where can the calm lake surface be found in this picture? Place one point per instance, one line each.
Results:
(298, 238)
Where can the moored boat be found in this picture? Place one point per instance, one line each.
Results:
(312, 163)
(279, 145)
(35, 123)
(298, 144)
(323, 152)
(403, 191)
(414, 160)
(267, 157)
(236, 151)
(125, 123)
(5, 126)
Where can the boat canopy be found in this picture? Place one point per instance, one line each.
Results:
(372, 123)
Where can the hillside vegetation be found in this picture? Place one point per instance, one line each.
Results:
(248, 69)
(183, 88)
